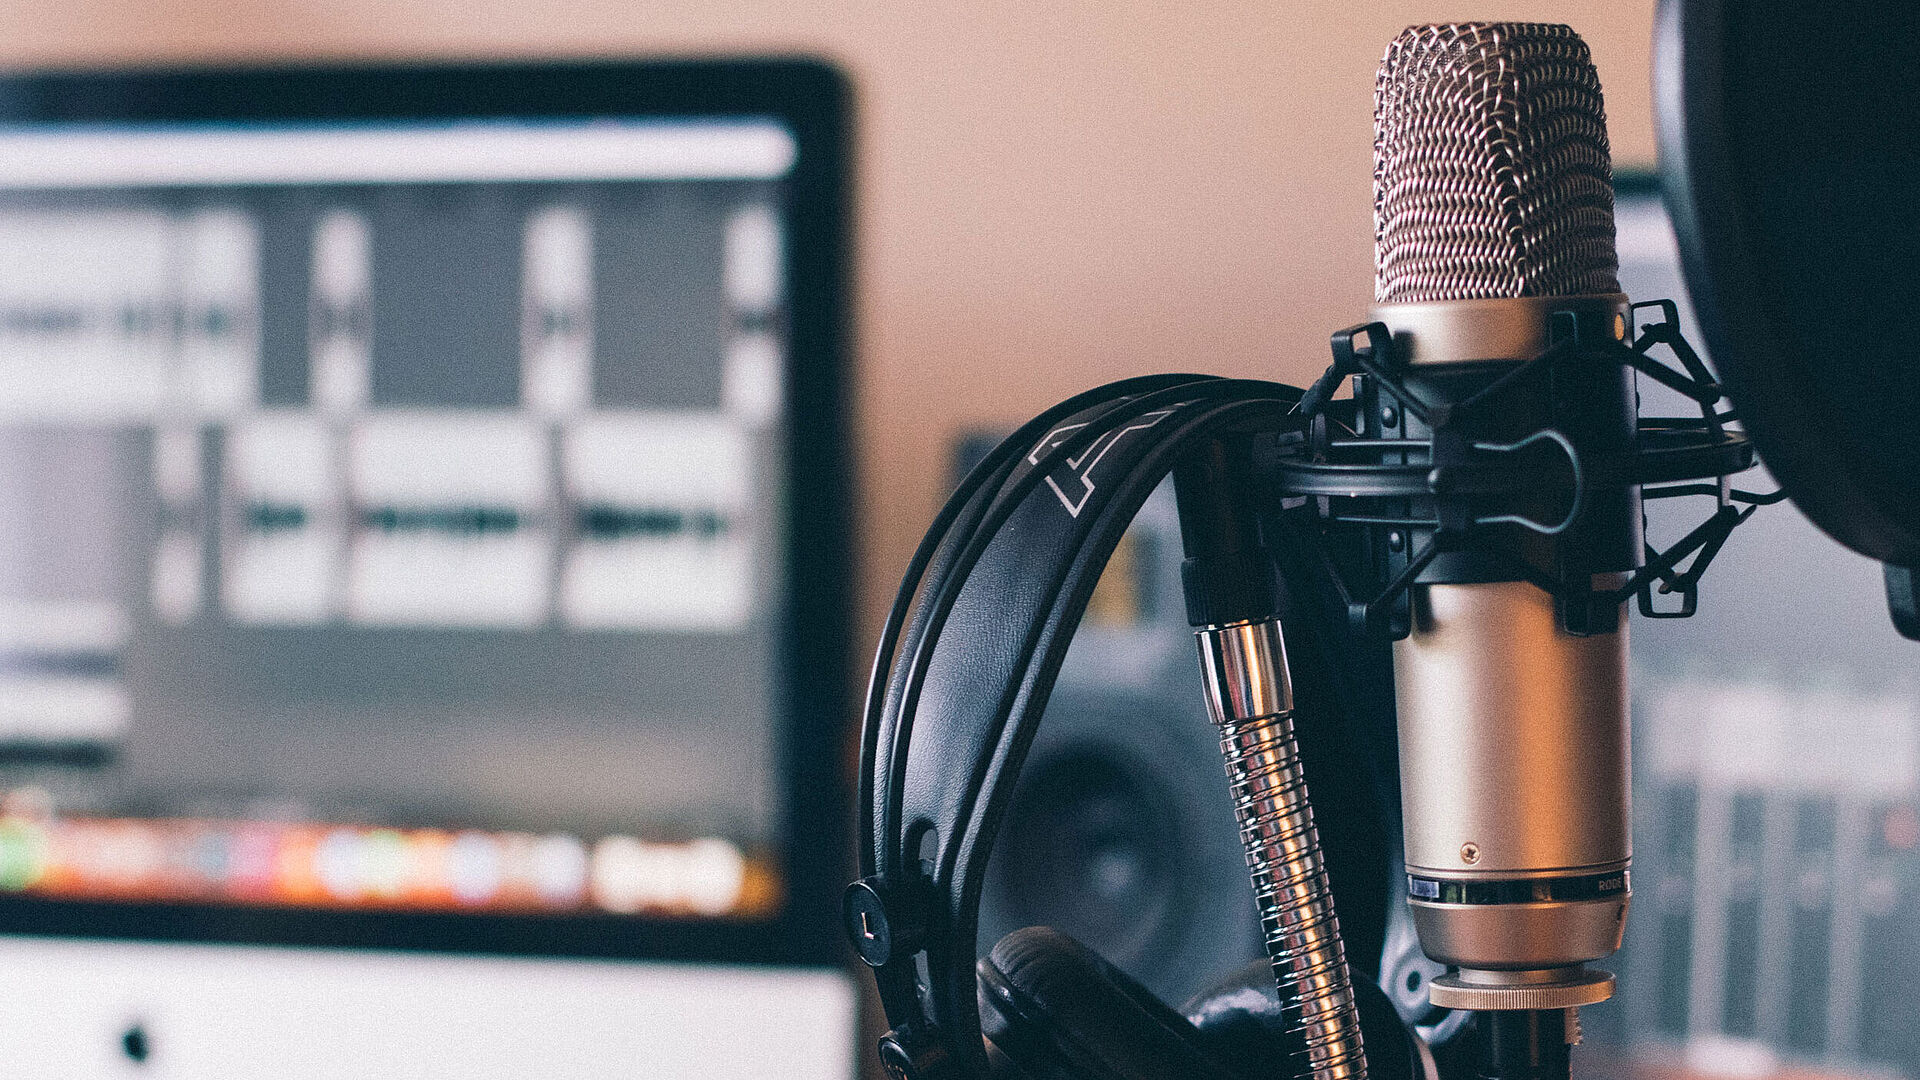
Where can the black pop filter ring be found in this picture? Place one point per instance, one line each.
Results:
(1790, 158)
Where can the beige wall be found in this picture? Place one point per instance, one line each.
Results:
(1051, 194)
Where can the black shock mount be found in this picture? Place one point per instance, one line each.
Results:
(1446, 474)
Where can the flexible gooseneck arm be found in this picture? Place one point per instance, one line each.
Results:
(1230, 581)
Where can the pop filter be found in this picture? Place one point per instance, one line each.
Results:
(1790, 157)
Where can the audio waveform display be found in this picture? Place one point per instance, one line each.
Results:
(453, 520)
(618, 522)
(120, 315)
(626, 518)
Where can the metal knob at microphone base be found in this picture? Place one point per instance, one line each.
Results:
(1520, 937)
(1509, 991)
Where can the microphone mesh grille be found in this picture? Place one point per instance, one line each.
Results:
(1491, 173)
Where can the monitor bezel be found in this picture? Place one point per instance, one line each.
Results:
(813, 101)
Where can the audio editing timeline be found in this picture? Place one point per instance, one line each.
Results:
(405, 542)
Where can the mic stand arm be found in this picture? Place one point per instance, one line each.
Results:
(1231, 589)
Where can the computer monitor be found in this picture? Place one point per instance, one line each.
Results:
(423, 585)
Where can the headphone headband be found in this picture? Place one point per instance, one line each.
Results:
(1008, 567)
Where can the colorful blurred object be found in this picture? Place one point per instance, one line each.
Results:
(185, 860)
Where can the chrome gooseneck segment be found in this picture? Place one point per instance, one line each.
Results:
(1250, 699)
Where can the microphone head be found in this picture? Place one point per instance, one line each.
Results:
(1491, 173)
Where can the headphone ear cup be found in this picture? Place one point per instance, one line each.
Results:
(1057, 1011)
(1241, 1023)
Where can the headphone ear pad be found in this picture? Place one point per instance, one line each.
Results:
(1057, 1010)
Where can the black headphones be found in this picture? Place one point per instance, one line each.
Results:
(966, 661)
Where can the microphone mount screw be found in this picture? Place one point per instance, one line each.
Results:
(1469, 853)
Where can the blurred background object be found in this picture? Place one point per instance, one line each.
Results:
(423, 529)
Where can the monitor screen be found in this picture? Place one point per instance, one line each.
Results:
(396, 518)
(390, 515)
(414, 484)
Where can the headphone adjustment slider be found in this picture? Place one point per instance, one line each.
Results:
(882, 925)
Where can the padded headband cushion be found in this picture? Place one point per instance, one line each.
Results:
(1058, 1010)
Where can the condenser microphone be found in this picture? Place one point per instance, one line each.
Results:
(1493, 216)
